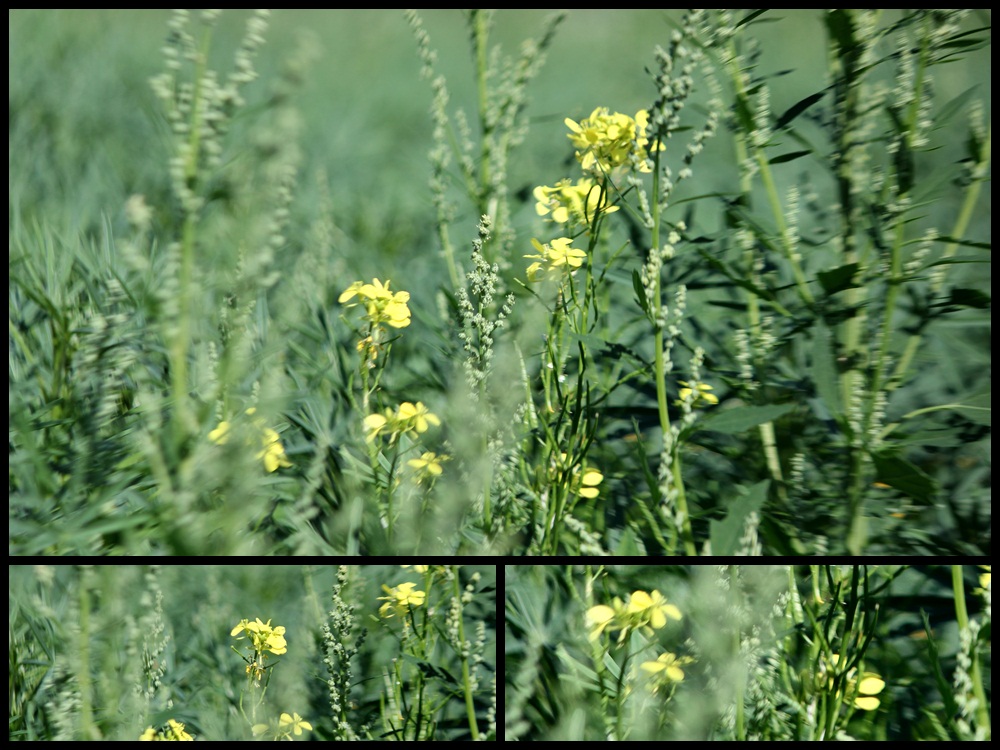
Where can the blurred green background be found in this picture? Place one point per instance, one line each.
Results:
(86, 131)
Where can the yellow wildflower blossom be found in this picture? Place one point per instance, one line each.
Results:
(860, 692)
(605, 141)
(272, 452)
(173, 731)
(554, 259)
(294, 724)
(566, 202)
(666, 669)
(703, 394)
(400, 598)
(381, 304)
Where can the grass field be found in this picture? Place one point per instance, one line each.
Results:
(236, 652)
(499, 283)
(747, 652)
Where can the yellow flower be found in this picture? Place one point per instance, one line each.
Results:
(667, 667)
(587, 486)
(272, 452)
(220, 434)
(400, 598)
(651, 609)
(417, 568)
(599, 618)
(262, 635)
(428, 466)
(703, 394)
(605, 141)
(294, 723)
(415, 417)
(374, 424)
(381, 304)
(173, 731)
(409, 417)
(985, 579)
(861, 692)
(558, 257)
(565, 202)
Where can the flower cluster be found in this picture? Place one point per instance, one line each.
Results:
(860, 691)
(400, 598)
(271, 452)
(566, 203)
(646, 611)
(381, 305)
(173, 731)
(554, 259)
(408, 418)
(605, 141)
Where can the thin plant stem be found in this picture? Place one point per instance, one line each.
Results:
(962, 616)
(687, 536)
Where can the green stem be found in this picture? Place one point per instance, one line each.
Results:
(957, 232)
(182, 335)
(687, 536)
(737, 655)
(480, 34)
(83, 648)
(470, 707)
(962, 615)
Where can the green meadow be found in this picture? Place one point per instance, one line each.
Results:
(263, 652)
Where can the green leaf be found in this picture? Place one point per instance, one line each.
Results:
(904, 476)
(750, 16)
(840, 278)
(797, 109)
(791, 156)
(742, 418)
(969, 298)
(725, 535)
(953, 107)
(824, 370)
(640, 292)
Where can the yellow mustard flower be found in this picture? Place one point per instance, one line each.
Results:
(408, 417)
(860, 692)
(382, 306)
(173, 731)
(667, 667)
(262, 636)
(587, 484)
(427, 467)
(415, 417)
(293, 723)
(566, 202)
(651, 609)
(703, 394)
(985, 579)
(554, 259)
(272, 452)
(600, 618)
(400, 598)
(417, 568)
(606, 140)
